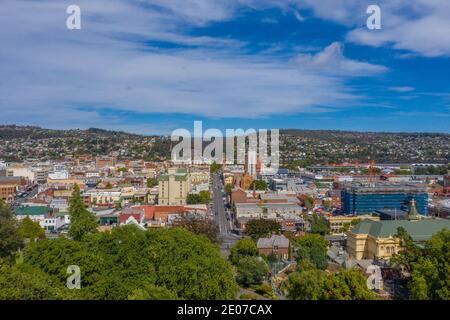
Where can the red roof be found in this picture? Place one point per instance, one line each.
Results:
(38, 201)
(161, 212)
(125, 216)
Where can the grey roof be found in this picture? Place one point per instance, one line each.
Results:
(274, 240)
(392, 212)
(268, 196)
(282, 205)
(247, 206)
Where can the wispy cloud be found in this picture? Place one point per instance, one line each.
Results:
(332, 61)
(401, 89)
(113, 63)
(419, 26)
(299, 16)
(269, 20)
(420, 114)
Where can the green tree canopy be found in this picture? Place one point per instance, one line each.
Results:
(244, 247)
(431, 170)
(348, 285)
(203, 197)
(152, 182)
(54, 256)
(10, 238)
(251, 271)
(428, 266)
(187, 264)
(312, 247)
(152, 292)
(214, 167)
(306, 285)
(314, 284)
(319, 225)
(129, 263)
(308, 202)
(259, 185)
(199, 226)
(31, 230)
(82, 221)
(260, 228)
(21, 282)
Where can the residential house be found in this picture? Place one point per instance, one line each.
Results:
(276, 245)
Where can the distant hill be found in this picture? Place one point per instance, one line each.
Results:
(331, 146)
(36, 133)
(302, 147)
(323, 134)
(25, 142)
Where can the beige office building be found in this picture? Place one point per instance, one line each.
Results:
(173, 187)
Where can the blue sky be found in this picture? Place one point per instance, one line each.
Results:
(151, 66)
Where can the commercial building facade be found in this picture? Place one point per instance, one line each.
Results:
(173, 187)
(371, 239)
(365, 198)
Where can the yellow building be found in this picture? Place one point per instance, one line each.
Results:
(104, 196)
(228, 179)
(65, 182)
(131, 194)
(246, 181)
(338, 224)
(362, 245)
(62, 193)
(199, 177)
(7, 192)
(371, 239)
(173, 187)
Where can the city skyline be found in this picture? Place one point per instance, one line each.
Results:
(231, 157)
(235, 64)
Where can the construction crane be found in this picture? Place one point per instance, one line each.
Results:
(371, 171)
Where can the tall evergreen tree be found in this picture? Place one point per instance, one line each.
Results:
(10, 239)
(82, 221)
(30, 230)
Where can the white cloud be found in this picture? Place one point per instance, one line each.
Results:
(51, 75)
(298, 16)
(332, 61)
(418, 26)
(401, 89)
(269, 20)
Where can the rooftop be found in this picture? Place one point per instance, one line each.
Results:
(385, 187)
(273, 241)
(180, 174)
(32, 211)
(420, 230)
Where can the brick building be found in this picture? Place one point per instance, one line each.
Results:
(276, 245)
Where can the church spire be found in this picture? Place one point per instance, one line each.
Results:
(413, 214)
